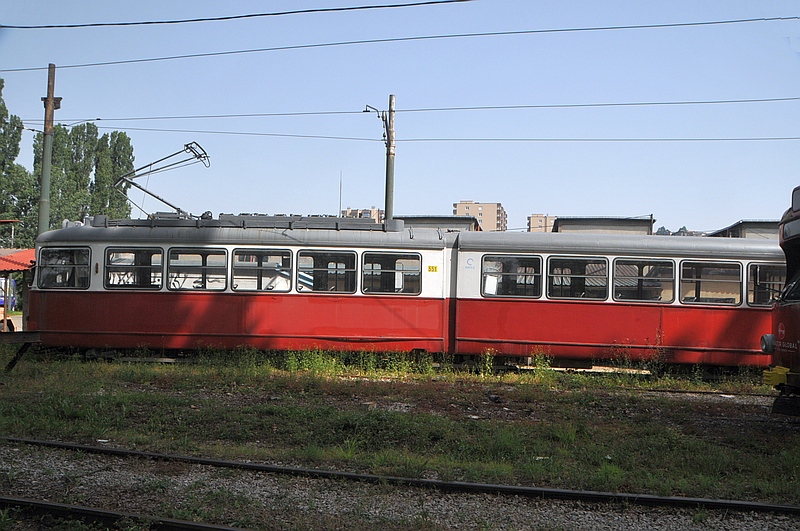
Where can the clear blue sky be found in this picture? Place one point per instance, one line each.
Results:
(519, 157)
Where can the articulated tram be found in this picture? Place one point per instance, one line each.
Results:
(283, 283)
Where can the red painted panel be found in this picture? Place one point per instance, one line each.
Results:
(787, 336)
(178, 320)
(596, 330)
(570, 329)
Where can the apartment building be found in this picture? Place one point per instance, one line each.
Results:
(605, 224)
(364, 213)
(490, 216)
(540, 223)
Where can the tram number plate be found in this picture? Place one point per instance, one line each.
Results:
(433, 269)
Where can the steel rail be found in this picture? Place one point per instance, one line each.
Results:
(697, 392)
(108, 518)
(445, 486)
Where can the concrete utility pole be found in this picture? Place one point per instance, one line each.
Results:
(389, 125)
(51, 104)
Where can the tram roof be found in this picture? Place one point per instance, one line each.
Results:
(621, 244)
(241, 230)
(338, 232)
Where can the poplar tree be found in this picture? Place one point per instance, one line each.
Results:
(17, 186)
(84, 168)
(114, 158)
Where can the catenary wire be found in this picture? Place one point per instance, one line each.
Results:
(246, 133)
(232, 17)
(597, 105)
(404, 39)
(465, 139)
(442, 109)
(452, 109)
(610, 140)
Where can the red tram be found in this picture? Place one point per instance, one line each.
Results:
(279, 283)
(783, 342)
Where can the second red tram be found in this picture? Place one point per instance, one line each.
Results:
(783, 343)
(283, 283)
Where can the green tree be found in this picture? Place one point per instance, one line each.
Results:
(10, 136)
(114, 157)
(17, 186)
(663, 231)
(20, 191)
(83, 170)
(69, 172)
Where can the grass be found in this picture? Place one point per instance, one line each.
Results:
(393, 415)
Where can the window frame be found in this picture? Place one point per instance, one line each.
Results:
(261, 269)
(398, 256)
(538, 277)
(570, 277)
(718, 264)
(640, 279)
(751, 291)
(349, 275)
(203, 268)
(74, 267)
(109, 268)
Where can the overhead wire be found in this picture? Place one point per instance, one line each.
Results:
(455, 109)
(404, 39)
(464, 139)
(433, 109)
(431, 139)
(232, 17)
(597, 105)
(417, 110)
(247, 133)
(242, 115)
(600, 140)
(441, 109)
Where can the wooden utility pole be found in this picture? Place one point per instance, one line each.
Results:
(51, 104)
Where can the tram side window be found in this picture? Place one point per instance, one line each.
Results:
(197, 269)
(644, 280)
(262, 270)
(326, 271)
(765, 283)
(711, 283)
(64, 268)
(512, 276)
(391, 273)
(577, 278)
(133, 268)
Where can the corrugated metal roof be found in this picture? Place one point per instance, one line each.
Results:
(17, 260)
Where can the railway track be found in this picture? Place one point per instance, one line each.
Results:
(720, 394)
(438, 485)
(33, 509)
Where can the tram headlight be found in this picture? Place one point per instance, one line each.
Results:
(768, 343)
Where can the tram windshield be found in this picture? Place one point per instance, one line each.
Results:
(791, 293)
